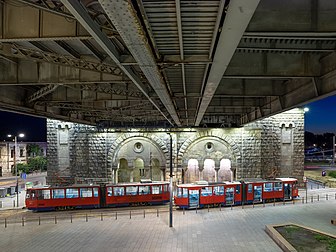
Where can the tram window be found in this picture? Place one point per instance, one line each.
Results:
(238, 189)
(219, 190)
(71, 193)
(185, 193)
(118, 191)
(249, 188)
(131, 190)
(85, 192)
(179, 192)
(57, 193)
(268, 187)
(143, 190)
(278, 186)
(206, 191)
(156, 189)
(165, 188)
(43, 194)
(95, 192)
(109, 191)
(31, 194)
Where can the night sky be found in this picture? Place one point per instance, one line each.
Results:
(321, 118)
(34, 128)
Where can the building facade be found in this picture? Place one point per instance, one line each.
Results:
(268, 148)
(8, 157)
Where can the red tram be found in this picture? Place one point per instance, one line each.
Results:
(235, 193)
(94, 196)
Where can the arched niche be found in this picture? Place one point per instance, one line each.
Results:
(191, 173)
(207, 148)
(134, 149)
(209, 172)
(225, 173)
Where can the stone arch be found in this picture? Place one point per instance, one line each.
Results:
(158, 147)
(232, 153)
(216, 134)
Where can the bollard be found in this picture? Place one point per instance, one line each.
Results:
(208, 208)
(196, 209)
(183, 211)
(293, 201)
(335, 195)
(22, 221)
(86, 218)
(318, 186)
(130, 214)
(5, 222)
(263, 203)
(116, 215)
(283, 202)
(71, 218)
(311, 187)
(144, 214)
(157, 213)
(302, 200)
(231, 206)
(311, 200)
(274, 202)
(13, 203)
(326, 196)
(101, 216)
(55, 219)
(39, 220)
(253, 204)
(318, 197)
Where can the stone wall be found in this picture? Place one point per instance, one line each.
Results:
(267, 148)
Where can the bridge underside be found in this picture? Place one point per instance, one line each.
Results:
(178, 63)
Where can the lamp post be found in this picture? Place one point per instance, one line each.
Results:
(15, 164)
(170, 181)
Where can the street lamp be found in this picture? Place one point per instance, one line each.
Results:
(15, 164)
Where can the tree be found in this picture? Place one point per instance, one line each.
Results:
(34, 150)
(37, 164)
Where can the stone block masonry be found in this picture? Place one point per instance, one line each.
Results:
(272, 147)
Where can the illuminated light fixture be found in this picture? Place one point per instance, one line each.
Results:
(305, 109)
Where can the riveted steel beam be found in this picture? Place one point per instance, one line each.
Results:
(42, 92)
(85, 20)
(125, 20)
(16, 51)
(237, 18)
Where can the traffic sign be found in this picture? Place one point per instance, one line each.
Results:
(24, 175)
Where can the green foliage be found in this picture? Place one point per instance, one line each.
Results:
(34, 164)
(332, 174)
(34, 150)
(38, 163)
(291, 229)
(331, 241)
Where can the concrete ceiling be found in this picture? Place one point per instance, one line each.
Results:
(165, 63)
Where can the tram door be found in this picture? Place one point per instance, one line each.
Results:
(193, 198)
(229, 196)
(257, 195)
(287, 191)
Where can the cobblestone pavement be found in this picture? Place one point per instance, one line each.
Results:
(217, 230)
